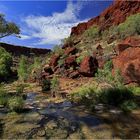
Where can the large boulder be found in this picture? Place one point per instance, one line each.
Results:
(128, 42)
(54, 61)
(88, 66)
(70, 62)
(70, 50)
(128, 62)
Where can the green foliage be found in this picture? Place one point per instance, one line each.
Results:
(62, 60)
(79, 59)
(3, 96)
(36, 68)
(23, 69)
(58, 50)
(5, 63)
(105, 75)
(7, 28)
(16, 104)
(135, 89)
(128, 106)
(92, 32)
(87, 95)
(54, 84)
(131, 26)
(46, 85)
(20, 88)
(115, 96)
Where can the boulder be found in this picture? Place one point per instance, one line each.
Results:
(54, 61)
(70, 50)
(128, 42)
(70, 62)
(128, 62)
(88, 66)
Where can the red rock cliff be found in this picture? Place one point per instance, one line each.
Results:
(113, 15)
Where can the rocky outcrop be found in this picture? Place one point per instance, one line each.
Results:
(54, 60)
(20, 50)
(88, 66)
(128, 62)
(70, 50)
(113, 15)
(70, 62)
(128, 42)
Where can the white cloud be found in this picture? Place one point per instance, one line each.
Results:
(24, 37)
(52, 29)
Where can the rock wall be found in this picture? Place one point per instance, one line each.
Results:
(113, 15)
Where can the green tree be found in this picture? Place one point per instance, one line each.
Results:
(7, 28)
(5, 64)
(23, 69)
(54, 85)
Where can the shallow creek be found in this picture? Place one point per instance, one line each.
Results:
(45, 120)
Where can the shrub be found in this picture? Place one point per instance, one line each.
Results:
(92, 32)
(87, 95)
(3, 96)
(20, 88)
(115, 96)
(105, 75)
(62, 60)
(23, 69)
(35, 69)
(46, 85)
(54, 84)
(79, 59)
(131, 26)
(3, 100)
(5, 63)
(135, 89)
(128, 106)
(16, 104)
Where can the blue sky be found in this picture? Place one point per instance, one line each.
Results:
(44, 24)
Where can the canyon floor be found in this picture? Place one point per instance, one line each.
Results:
(46, 117)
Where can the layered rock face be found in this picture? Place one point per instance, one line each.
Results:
(114, 15)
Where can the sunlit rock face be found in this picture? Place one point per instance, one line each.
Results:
(128, 62)
(113, 15)
(88, 66)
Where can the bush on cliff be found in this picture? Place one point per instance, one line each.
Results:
(130, 27)
(92, 32)
(5, 65)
